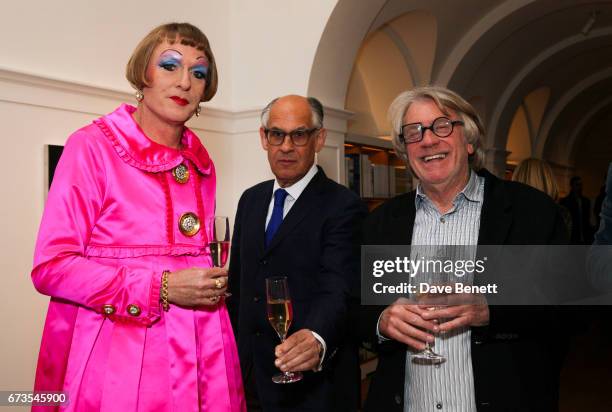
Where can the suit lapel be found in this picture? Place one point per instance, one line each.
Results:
(262, 203)
(495, 220)
(496, 214)
(403, 216)
(306, 203)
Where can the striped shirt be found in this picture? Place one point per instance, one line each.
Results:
(448, 386)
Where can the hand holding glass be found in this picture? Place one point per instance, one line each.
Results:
(280, 315)
(219, 242)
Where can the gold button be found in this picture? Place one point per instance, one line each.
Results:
(108, 309)
(181, 173)
(189, 224)
(133, 310)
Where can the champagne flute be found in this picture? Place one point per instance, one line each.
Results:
(219, 242)
(280, 315)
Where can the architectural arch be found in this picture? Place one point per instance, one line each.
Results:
(565, 100)
(496, 136)
(525, 125)
(467, 42)
(588, 116)
(338, 47)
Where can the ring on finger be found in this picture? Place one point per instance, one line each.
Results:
(219, 283)
(214, 299)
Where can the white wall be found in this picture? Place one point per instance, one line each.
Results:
(32, 116)
(263, 49)
(22, 169)
(90, 42)
(273, 47)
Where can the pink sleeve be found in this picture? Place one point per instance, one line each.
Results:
(61, 269)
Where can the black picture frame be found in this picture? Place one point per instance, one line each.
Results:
(54, 152)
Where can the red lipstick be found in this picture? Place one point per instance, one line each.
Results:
(180, 101)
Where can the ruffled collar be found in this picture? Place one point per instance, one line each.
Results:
(136, 149)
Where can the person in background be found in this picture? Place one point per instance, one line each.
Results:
(537, 173)
(580, 210)
(598, 204)
(304, 226)
(136, 320)
(600, 255)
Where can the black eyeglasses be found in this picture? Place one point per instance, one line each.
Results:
(414, 132)
(299, 137)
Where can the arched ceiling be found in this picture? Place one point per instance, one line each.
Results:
(415, 35)
(576, 119)
(535, 104)
(591, 157)
(526, 124)
(499, 51)
(381, 72)
(519, 143)
(392, 59)
(538, 45)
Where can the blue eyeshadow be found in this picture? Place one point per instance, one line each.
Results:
(170, 60)
(201, 69)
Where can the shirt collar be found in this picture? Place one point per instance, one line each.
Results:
(138, 150)
(296, 189)
(471, 191)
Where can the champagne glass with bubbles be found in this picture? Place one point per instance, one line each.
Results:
(280, 315)
(219, 243)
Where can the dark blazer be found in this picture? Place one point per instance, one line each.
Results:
(516, 358)
(581, 222)
(317, 248)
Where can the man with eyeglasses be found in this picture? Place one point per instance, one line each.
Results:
(497, 358)
(304, 226)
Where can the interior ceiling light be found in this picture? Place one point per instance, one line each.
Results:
(588, 26)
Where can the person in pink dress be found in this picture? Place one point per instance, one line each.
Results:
(137, 319)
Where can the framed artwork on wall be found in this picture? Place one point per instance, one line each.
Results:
(53, 155)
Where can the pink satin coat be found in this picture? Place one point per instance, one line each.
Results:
(109, 230)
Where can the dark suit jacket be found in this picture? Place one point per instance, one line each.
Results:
(581, 222)
(317, 248)
(516, 358)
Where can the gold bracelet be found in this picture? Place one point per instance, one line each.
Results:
(163, 294)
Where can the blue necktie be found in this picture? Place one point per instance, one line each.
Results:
(277, 214)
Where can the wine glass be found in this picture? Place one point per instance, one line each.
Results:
(280, 315)
(219, 242)
(427, 355)
(432, 300)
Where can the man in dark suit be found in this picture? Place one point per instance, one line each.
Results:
(580, 210)
(304, 226)
(497, 358)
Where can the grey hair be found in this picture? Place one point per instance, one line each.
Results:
(446, 100)
(315, 107)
